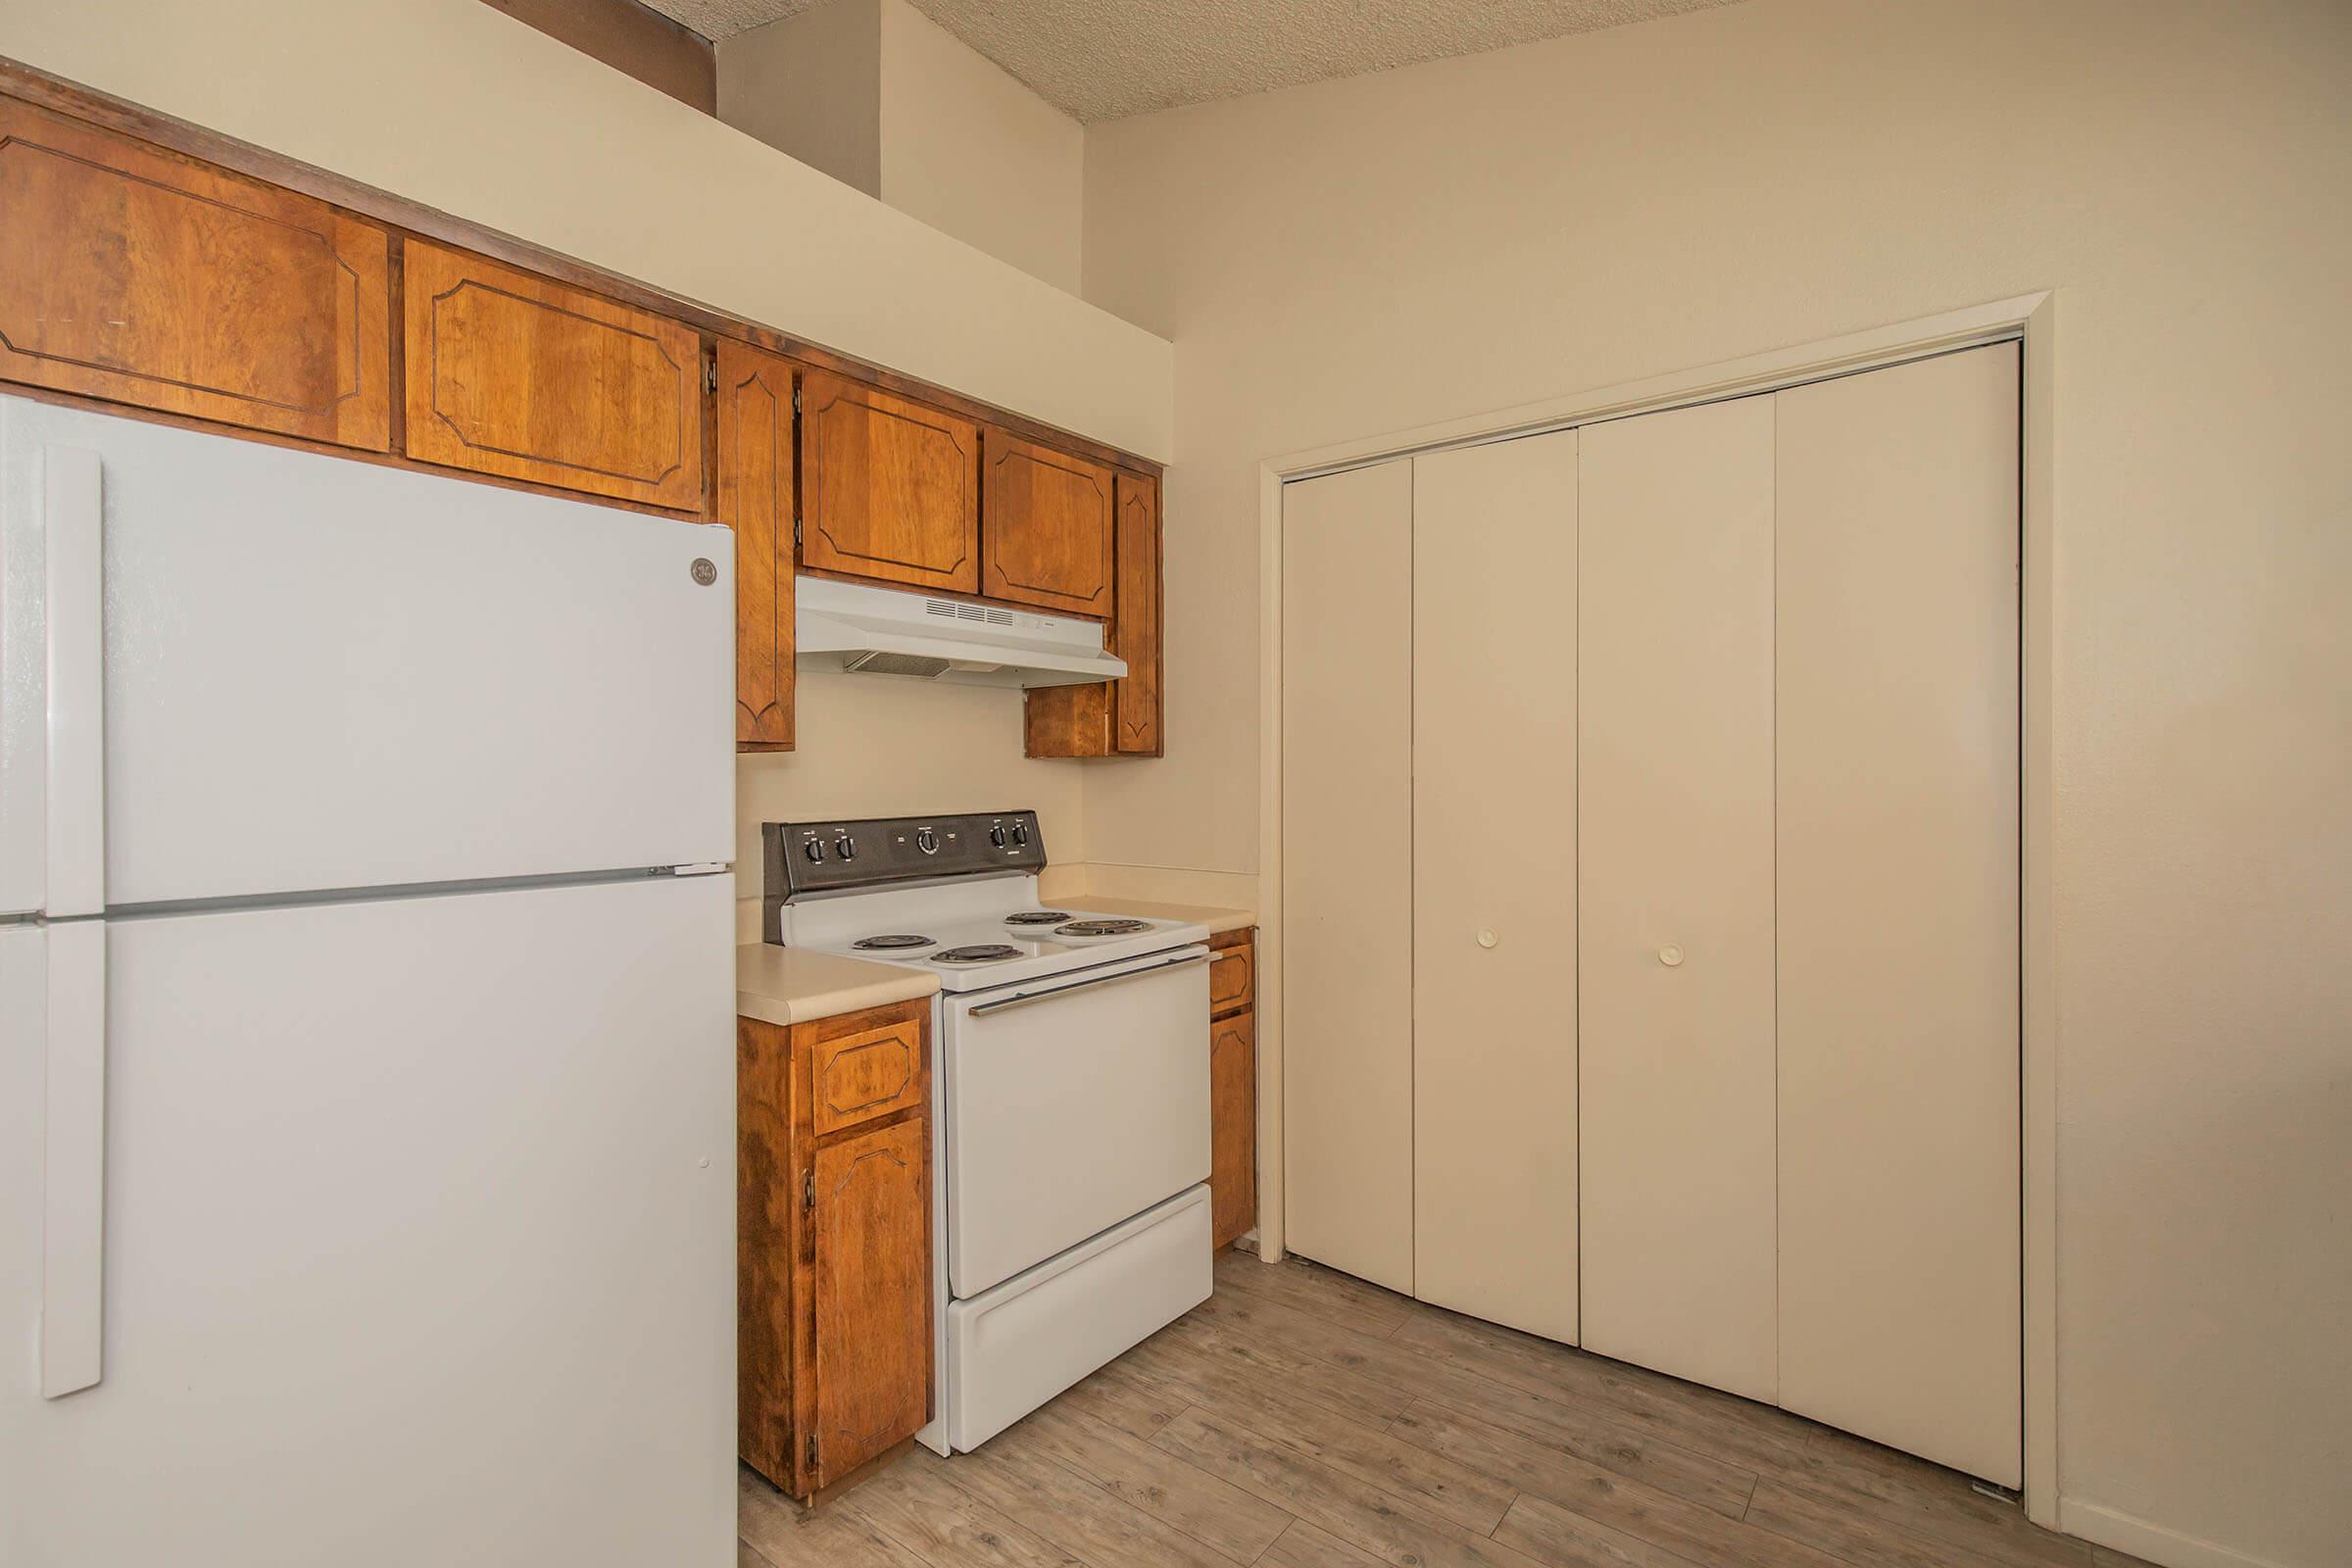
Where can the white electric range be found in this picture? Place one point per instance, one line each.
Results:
(1070, 1099)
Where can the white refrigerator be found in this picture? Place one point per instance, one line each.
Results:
(367, 1040)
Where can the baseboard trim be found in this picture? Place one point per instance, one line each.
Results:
(2106, 1527)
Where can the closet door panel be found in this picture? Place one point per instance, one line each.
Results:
(1346, 760)
(1494, 857)
(1674, 840)
(1898, 907)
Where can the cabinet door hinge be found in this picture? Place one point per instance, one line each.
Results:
(812, 1453)
(796, 396)
(796, 532)
(809, 1188)
(709, 375)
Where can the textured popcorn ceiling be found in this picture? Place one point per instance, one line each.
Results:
(1101, 59)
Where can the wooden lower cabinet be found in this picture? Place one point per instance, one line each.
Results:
(833, 1242)
(1233, 1086)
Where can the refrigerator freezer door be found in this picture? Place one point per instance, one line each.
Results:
(329, 674)
(418, 1243)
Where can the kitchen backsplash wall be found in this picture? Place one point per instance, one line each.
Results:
(887, 746)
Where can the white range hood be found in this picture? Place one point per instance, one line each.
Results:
(889, 631)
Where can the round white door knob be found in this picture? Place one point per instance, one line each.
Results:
(1671, 955)
(1487, 939)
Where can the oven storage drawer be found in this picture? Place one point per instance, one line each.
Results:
(1071, 1107)
(1017, 1346)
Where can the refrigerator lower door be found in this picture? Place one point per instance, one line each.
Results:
(323, 674)
(418, 1239)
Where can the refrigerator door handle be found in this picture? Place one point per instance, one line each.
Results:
(73, 1160)
(72, 511)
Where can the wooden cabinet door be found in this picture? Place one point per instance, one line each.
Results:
(1045, 528)
(1233, 1126)
(1232, 979)
(891, 487)
(136, 274)
(870, 1223)
(863, 1074)
(756, 452)
(1135, 632)
(514, 376)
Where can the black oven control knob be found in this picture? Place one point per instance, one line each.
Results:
(995, 835)
(845, 848)
(1020, 835)
(816, 852)
(926, 841)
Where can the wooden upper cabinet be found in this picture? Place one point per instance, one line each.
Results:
(755, 499)
(1135, 635)
(134, 275)
(890, 487)
(513, 374)
(1121, 717)
(1046, 527)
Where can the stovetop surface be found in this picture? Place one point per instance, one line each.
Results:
(999, 918)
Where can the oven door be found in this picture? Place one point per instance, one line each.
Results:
(1073, 1101)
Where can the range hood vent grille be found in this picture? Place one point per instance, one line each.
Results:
(950, 608)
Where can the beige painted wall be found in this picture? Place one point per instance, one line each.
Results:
(888, 746)
(876, 94)
(1374, 254)
(969, 150)
(454, 104)
(811, 86)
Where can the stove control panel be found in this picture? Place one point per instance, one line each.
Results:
(870, 852)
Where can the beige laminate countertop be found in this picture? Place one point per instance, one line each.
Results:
(793, 985)
(1218, 921)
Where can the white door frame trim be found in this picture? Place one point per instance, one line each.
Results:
(2027, 318)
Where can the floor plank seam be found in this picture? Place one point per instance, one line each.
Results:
(1166, 1524)
(1478, 1377)
(1414, 1509)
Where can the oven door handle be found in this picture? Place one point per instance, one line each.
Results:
(1022, 999)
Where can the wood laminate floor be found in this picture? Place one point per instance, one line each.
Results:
(1304, 1419)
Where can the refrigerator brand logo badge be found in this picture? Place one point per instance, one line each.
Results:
(705, 573)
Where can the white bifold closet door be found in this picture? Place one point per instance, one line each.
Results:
(1896, 673)
(1348, 870)
(1674, 808)
(1494, 961)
